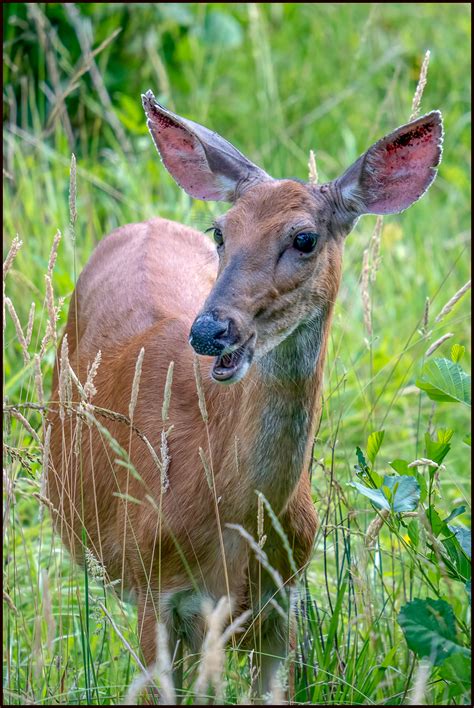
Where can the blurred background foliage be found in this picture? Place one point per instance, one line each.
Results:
(276, 79)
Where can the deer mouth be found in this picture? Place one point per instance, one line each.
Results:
(232, 366)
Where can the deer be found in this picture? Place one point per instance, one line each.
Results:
(250, 315)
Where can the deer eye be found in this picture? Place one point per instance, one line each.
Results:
(305, 241)
(218, 237)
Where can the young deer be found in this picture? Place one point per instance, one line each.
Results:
(257, 309)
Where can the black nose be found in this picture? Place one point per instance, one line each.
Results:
(210, 335)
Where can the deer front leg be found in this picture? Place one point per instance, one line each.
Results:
(151, 644)
(276, 637)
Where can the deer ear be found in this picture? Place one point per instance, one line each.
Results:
(396, 171)
(205, 165)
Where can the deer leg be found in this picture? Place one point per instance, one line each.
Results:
(277, 639)
(147, 633)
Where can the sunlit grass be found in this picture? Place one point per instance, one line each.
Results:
(329, 77)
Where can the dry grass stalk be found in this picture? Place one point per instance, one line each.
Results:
(53, 311)
(44, 469)
(375, 246)
(450, 304)
(207, 469)
(136, 688)
(39, 380)
(211, 667)
(53, 253)
(415, 106)
(277, 691)
(14, 248)
(46, 444)
(261, 556)
(53, 314)
(160, 673)
(426, 316)
(10, 603)
(65, 385)
(18, 329)
(37, 649)
(121, 637)
(16, 414)
(47, 610)
(31, 320)
(423, 461)
(152, 452)
(165, 459)
(200, 390)
(164, 668)
(78, 436)
(89, 388)
(236, 453)
(72, 197)
(80, 387)
(374, 527)
(438, 343)
(45, 501)
(260, 522)
(313, 170)
(95, 568)
(365, 292)
(418, 695)
(167, 393)
(136, 383)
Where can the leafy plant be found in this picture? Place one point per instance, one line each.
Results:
(396, 494)
(429, 627)
(444, 380)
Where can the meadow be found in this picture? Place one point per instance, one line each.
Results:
(384, 606)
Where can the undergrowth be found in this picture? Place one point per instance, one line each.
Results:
(383, 609)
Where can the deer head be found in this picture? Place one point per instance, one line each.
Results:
(280, 244)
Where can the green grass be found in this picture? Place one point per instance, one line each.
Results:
(276, 80)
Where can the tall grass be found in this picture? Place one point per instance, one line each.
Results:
(328, 77)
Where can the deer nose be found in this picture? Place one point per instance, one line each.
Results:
(210, 335)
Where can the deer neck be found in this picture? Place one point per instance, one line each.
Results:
(282, 410)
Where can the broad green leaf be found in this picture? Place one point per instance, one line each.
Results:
(467, 439)
(455, 512)
(430, 629)
(362, 467)
(413, 531)
(399, 493)
(445, 381)
(376, 478)
(373, 444)
(463, 535)
(436, 523)
(405, 492)
(375, 495)
(422, 482)
(222, 30)
(457, 352)
(468, 590)
(457, 669)
(400, 466)
(457, 561)
(436, 450)
(444, 435)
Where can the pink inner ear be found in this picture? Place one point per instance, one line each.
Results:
(400, 167)
(185, 159)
